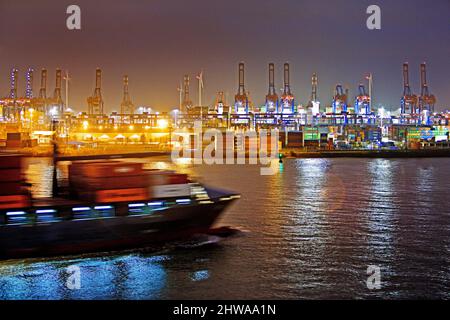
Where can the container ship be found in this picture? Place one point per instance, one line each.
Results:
(107, 206)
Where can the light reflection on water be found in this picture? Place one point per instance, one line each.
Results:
(123, 277)
(311, 232)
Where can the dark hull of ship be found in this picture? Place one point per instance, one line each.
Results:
(116, 233)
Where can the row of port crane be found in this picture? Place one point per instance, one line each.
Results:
(421, 107)
(13, 105)
(412, 106)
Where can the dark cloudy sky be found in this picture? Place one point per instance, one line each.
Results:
(156, 41)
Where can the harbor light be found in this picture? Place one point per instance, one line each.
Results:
(85, 125)
(54, 112)
(162, 123)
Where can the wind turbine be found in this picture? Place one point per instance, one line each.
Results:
(200, 88)
(67, 79)
(180, 90)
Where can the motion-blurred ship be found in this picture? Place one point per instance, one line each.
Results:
(108, 206)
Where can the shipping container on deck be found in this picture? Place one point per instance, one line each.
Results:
(107, 181)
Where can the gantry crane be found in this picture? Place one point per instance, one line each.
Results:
(241, 101)
(426, 100)
(57, 101)
(41, 102)
(272, 97)
(95, 102)
(314, 103)
(27, 100)
(339, 100)
(409, 100)
(362, 101)
(127, 106)
(13, 105)
(10, 104)
(187, 104)
(220, 105)
(287, 98)
(29, 84)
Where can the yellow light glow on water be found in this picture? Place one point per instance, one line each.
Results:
(161, 165)
(162, 123)
(131, 127)
(183, 161)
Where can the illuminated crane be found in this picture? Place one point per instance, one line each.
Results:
(220, 105)
(272, 97)
(362, 101)
(287, 98)
(10, 104)
(57, 102)
(25, 102)
(127, 106)
(241, 103)
(187, 102)
(409, 100)
(43, 89)
(95, 102)
(29, 84)
(13, 79)
(426, 100)
(339, 101)
(314, 104)
(40, 103)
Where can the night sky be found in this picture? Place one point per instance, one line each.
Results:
(155, 42)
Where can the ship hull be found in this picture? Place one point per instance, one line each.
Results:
(82, 236)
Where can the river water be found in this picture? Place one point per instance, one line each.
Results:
(310, 231)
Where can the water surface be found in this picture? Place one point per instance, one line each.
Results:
(310, 231)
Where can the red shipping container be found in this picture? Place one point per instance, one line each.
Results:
(125, 182)
(117, 195)
(112, 169)
(178, 178)
(77, 167)
(15, 202)
(158, 177)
